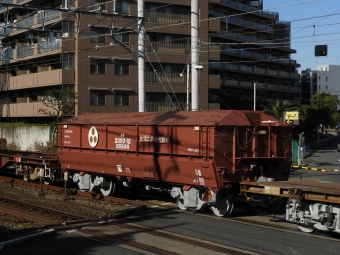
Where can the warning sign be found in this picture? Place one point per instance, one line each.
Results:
(291, 117)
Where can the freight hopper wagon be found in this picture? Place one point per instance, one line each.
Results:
(198, 157)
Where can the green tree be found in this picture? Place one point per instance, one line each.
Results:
(58, 103)
(325, 106)
(278, 108)
(325, 100)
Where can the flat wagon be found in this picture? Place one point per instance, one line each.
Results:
(198, 157)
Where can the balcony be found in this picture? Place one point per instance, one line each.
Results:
(167, 77)
(259, 70)
(245, 68)
(283, 74)
(169, 18)
(260, 86)
(272, 72)
(231, 66)
(25, 51)
(54, 77)
(164, 106)
(168, 47)
(22, 110)
(6, 55)
(226, 83)
(48, 46)
(46, 15)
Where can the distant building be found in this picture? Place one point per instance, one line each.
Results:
(326, 78)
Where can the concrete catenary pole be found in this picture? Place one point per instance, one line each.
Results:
(194, 56)
(141, 57)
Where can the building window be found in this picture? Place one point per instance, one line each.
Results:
(122, 7)
(122, 99)
(68, 60)
(121, 68)
(123, 37)
(97, 67)
(326, 87)
(319, 78)
(319, 87)
(97, 35)
(326, 78)
(67, 29)
(97, 98)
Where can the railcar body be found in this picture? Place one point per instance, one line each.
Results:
(196, 156)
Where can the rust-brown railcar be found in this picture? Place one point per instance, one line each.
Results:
(196, 156)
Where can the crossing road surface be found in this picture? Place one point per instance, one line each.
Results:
(326, 158)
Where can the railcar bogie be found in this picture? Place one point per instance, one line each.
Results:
(314, 216)
(95, 183)
(35, 172)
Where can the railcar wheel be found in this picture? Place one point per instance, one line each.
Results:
(180, 203)
(109, 188)
(307, 228)
(224, 204)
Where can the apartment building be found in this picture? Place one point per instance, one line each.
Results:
(324, 79)
(239, 44)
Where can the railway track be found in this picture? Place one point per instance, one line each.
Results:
(43, 215)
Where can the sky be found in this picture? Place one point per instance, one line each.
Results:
(303, 14)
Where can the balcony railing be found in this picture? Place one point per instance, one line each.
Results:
(169, 18)
(247, 23)
(230, 66)
(246, 68)
(25, 51)
(48, 46)
(246, 53)
(259, 70)
(246, 84)
(167, 77)
(260, 86)
(164, 106)
(28, 22)
(167, 47)
(49, 15)
(229, 50)
(283, 73)
(272, 72)
(229, 83)
(6, 55)
(259, 55)
(8, 30)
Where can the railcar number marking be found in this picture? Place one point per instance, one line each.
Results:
(271, 190)
(193, 150)
(153, 139)
(122, 142)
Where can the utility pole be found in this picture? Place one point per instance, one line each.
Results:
(188, 85)
(255, 95)
(141, 57)
(194, 56)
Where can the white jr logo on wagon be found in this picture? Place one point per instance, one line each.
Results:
(93, 137)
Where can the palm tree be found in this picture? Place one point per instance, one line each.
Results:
(277, 109)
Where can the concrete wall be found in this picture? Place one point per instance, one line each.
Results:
(26, 136)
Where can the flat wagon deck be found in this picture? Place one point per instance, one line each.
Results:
(328, 192)
(314, 205)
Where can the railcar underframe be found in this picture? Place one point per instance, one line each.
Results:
(313, 205)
